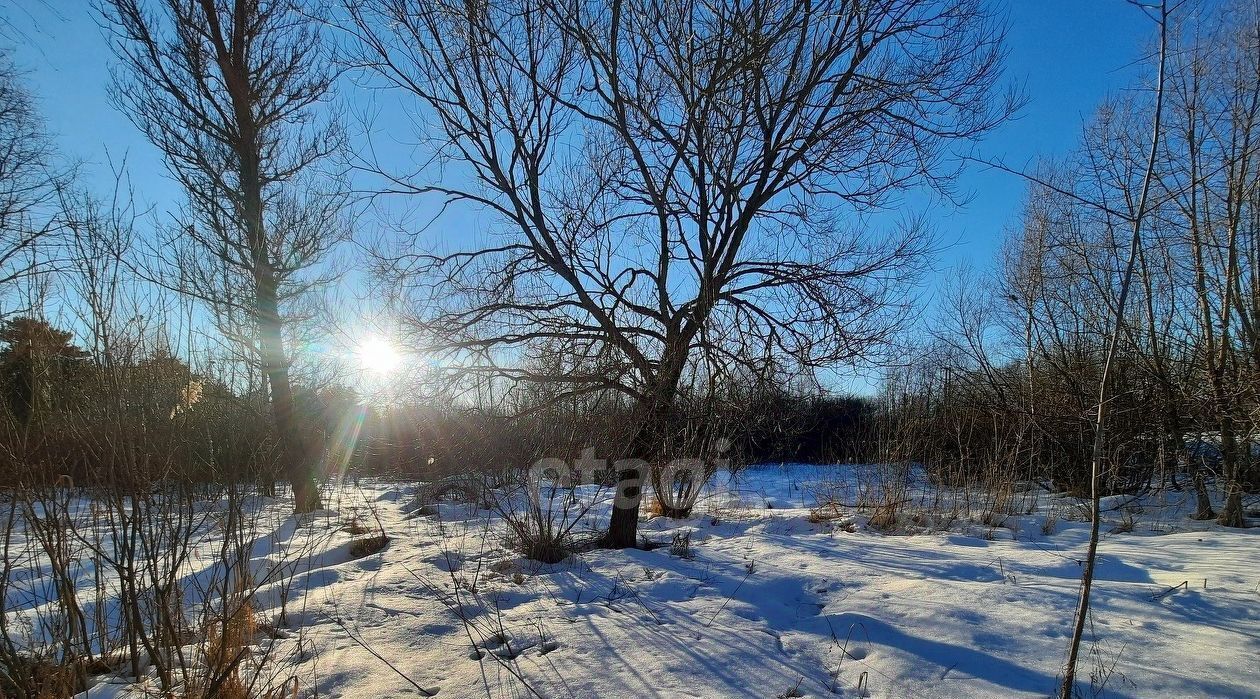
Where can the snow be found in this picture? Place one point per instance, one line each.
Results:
(769, 602)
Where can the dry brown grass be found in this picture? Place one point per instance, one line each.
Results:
(993, 518)
(368, 546)
(288, 690)
(227, 644)
(884, 518)
(829, 512)
(824, 513)
(354, 525)
(45, 679)
(1051, 522)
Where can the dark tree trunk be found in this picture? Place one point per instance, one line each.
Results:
(644, 446)
(1231, 514)
(1231, 511)
(623, 526)
(293, 453)
(1171, 445)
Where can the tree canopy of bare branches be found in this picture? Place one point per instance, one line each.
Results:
(30, 177)
(678, 185)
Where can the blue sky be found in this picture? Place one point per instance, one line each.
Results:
(1068, 55)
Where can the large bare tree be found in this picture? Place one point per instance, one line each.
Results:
(232, 93)
(677, 187)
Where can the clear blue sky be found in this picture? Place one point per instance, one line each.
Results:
(1067, 54)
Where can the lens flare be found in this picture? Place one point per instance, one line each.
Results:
(378, 356)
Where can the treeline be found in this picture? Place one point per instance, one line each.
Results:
(141, 415)
(134, 418)
(766, 425)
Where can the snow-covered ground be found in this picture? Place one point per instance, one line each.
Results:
(773, 602)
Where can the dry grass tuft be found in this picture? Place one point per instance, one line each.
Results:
(1051, 522)
(368, 546)
(226, 647)
(884, 518)
(1127, 523)
(826, 512)
(993, 518)
(354, 525)
(288, 690)
(43, 678)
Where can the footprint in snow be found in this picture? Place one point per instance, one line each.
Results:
(508, 652)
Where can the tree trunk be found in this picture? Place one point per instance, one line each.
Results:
(1231, 512)
(1068, 688)
(623, 526)
(275, 364)
(1203, 509)
(654, 413)
(271, 347)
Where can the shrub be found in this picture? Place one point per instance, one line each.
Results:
(681, 544)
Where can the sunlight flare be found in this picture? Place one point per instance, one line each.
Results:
(378, 356)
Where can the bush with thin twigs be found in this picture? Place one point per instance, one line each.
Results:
(680, 545)
(1051, 522)
(194, 632)
(1128, 522)
(692, 453)
(884, 518)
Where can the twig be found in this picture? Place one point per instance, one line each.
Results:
(1183, 585)
(378, 656)
(728, 601)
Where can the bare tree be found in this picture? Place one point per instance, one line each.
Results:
(679, 185)
(1068, 688)
(231, 93)
(30, 178)
(1211, 177)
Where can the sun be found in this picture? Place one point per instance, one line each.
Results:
(378, 356)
